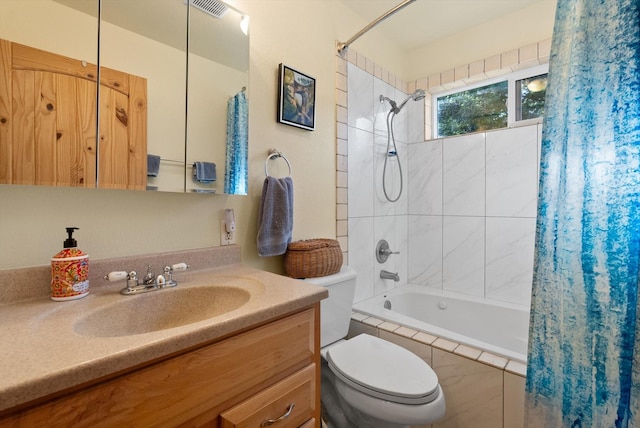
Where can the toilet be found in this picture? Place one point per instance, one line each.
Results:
(368, 382)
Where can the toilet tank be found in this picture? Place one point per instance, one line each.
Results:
(335, 311)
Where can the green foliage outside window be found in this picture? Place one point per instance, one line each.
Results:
(532, 93)
(474, 110)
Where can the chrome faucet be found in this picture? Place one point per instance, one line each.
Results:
(385, 274)
(149, 278)
(150, 282)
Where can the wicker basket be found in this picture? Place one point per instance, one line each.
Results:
(312, 258)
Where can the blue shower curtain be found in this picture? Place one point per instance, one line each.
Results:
(584, 343)
(236, 173)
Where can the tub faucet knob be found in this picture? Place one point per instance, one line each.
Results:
(383, 252)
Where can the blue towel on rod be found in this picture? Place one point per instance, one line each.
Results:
(204, 172)
(153, 165)
(275, 216)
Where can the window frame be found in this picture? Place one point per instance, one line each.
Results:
(511, 79)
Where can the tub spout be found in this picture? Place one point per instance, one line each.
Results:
(385, 274)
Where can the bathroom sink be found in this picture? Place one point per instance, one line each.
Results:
(160, 310)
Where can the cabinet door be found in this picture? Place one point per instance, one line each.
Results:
(123, 131)
(288, 403)
(52, 99)
(53, 135)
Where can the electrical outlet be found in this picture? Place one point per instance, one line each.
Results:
(226, 238)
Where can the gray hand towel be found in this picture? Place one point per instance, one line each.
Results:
(275, 216)
(153, 165)
(204, 172)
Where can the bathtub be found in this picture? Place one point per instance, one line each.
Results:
(495, 327)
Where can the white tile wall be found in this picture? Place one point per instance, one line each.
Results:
(361, 249)
(360, 113)
(509, 258)
(483, 190)
(464, 175)
(424, 185)
(360, 161)
(425, 250)
(370, 216)
(512, 172)
(463, 255)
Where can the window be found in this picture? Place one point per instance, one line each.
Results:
(473, 110)
(493, 104)
(530, 100)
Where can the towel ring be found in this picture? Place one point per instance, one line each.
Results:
(274, 154)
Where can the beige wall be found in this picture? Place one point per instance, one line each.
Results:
(515, 30)
(512, 31)
(299, 33)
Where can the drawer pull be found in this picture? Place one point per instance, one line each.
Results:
(270, 422)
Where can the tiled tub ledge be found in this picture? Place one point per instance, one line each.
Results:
(481, 389)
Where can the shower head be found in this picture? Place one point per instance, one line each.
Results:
(417, 95)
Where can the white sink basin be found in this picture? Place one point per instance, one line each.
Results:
(162, 309)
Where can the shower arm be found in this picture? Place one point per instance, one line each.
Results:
(343, 47)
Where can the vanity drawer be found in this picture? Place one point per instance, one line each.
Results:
(292, 400)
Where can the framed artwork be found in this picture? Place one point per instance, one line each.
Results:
(296, 99)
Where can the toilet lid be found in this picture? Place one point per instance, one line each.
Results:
(384, 370)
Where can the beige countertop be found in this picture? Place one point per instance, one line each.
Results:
(43, 352)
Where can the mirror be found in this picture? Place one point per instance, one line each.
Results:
(217, 130)
(144, 78)
(147, 40)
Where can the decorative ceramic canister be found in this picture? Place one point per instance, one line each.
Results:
(69, 271)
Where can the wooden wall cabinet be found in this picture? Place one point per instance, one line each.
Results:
(248, 378)
(48, 122)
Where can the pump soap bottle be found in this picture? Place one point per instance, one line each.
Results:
(69, 271)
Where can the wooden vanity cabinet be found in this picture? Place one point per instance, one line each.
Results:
(239, 381)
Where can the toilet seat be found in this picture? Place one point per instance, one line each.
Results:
(383, 370)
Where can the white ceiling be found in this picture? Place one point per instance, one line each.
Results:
(425, 21)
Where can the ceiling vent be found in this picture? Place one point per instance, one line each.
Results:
(212, 7)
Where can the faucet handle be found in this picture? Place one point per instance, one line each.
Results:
(383, 251)
(116, 276)
(180, 266)
(168, 272)
(388, 252)
(131, 277)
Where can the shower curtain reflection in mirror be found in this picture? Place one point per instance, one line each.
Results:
(236, 174)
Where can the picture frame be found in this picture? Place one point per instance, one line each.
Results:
(296, 98)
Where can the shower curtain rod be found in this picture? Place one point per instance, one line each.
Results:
(343, 47)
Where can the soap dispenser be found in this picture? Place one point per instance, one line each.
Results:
(69, 271)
